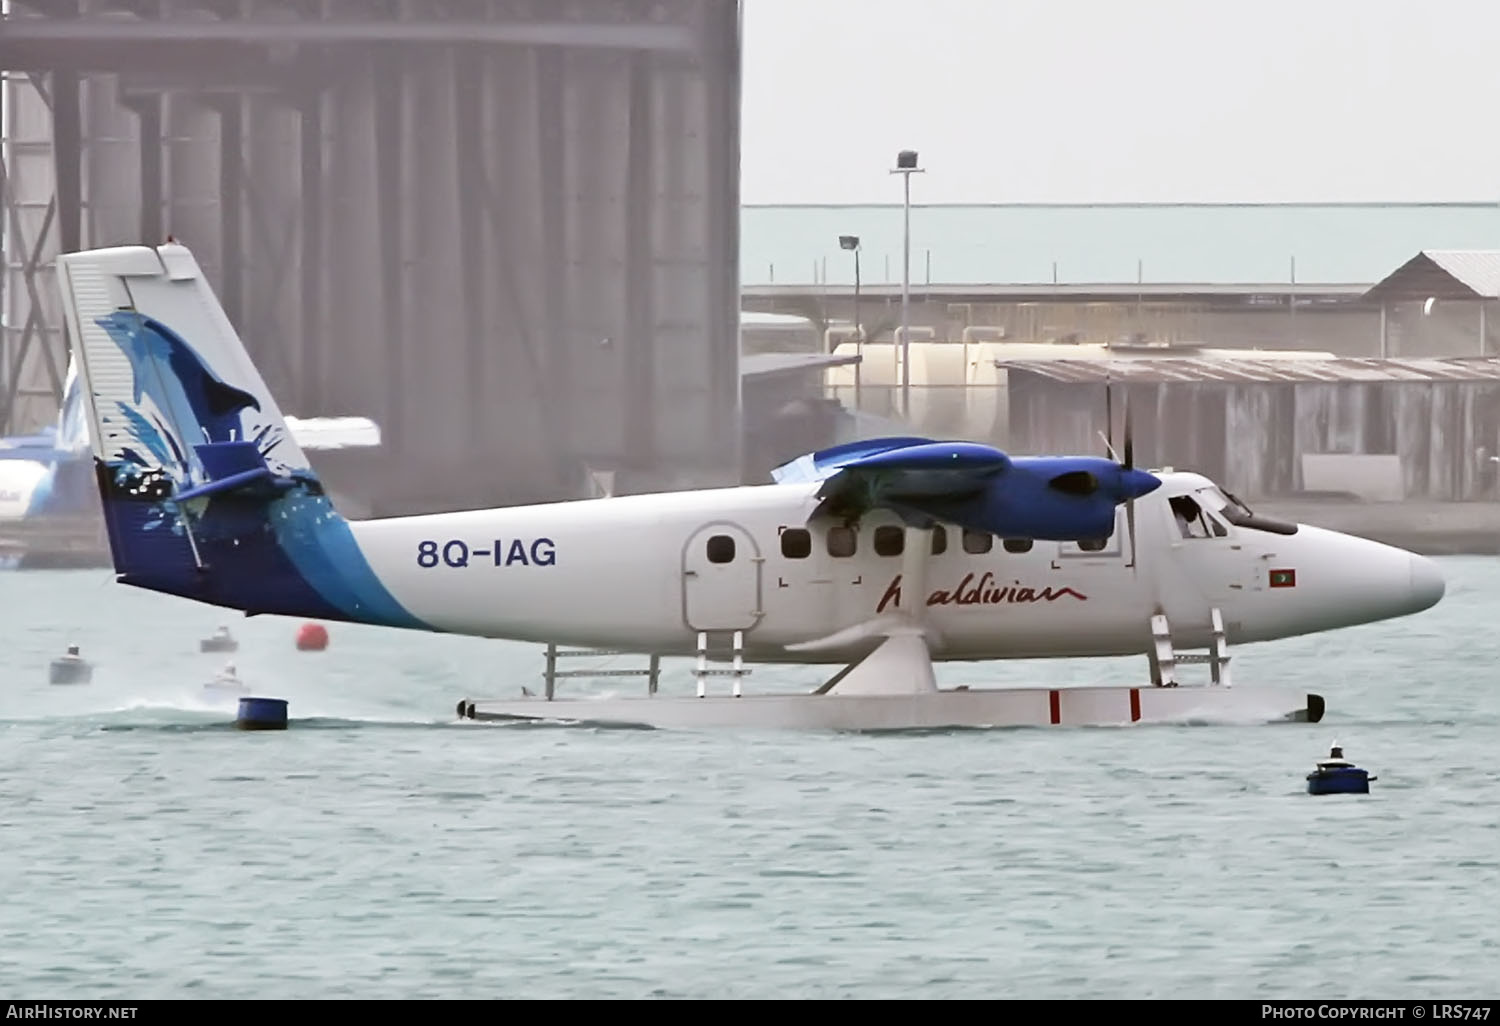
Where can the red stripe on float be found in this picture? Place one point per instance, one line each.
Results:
(1056, 708)
(1135, 704)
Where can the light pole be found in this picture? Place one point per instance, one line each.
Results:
(851, 243)
(906, 166)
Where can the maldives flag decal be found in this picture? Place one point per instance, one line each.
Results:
(1283, 578)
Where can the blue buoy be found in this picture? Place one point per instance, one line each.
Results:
(262, 714)
(1337, 775)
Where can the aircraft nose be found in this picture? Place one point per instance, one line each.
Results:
(1427, 584)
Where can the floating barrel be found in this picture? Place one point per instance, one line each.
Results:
(262, 714)
(70, 671)
(1339, 780)
(312, 637)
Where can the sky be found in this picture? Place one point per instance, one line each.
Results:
(1078, 101)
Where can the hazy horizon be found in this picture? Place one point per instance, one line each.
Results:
(1371, 101)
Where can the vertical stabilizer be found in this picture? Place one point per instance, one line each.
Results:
(206, 492)
(156, 397)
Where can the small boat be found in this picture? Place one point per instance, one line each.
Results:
(226, 682)
(1337, 775)
(220, 641)
(71, 668)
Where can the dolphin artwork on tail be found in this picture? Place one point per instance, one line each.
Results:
(190, 396)
(183, 438)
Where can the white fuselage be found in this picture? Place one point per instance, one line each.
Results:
(648, 573)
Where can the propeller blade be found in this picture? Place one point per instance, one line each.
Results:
(1109, 418)
(1129, 437)
(1109, 450)
(1130, 522)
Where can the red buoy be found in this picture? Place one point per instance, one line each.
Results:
(312, 637)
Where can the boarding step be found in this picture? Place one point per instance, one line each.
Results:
(1165, 658)
(737, 672)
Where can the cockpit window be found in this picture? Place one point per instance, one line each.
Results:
(1232, 509)
(1193, 521)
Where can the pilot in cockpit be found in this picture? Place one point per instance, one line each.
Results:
(1185, 511)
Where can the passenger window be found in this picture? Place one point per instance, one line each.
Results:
(796, 543)
(939, 540)
(977, 543)
(1093, 544)
(1017, 545)
(889, 541)
(841, 541)
(721, 549)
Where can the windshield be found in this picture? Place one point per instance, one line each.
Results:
(1221, 501)
(1237, 513)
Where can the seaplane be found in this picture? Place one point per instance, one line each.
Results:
(881, 558)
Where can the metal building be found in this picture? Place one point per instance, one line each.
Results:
(1261, 428)
(506, 230)
(1227, 275)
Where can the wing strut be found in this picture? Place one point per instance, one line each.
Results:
(902, 663)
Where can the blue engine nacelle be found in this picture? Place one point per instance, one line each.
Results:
(1051, 498)
(1061, 498)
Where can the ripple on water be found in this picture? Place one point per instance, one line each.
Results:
(379, 849)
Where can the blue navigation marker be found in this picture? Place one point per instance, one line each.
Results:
(262, 714)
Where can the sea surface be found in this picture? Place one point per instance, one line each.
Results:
(381, 849)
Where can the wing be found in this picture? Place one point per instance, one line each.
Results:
(918, 479)
(970, 485)
(816, 466)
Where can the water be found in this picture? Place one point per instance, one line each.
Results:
(379, 849)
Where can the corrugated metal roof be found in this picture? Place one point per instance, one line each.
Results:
(1106, 244)
(1479, 269)
(1442, 274)
(1250, 371)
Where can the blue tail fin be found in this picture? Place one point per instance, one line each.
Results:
(205, 491)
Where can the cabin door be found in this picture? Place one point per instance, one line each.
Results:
(1211, 554)
(721, 579)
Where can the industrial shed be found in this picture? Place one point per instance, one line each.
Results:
(1392, 429)
(1437, 286)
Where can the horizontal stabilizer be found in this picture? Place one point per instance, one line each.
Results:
(333, 432)
(234, 467)
(312, 433)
